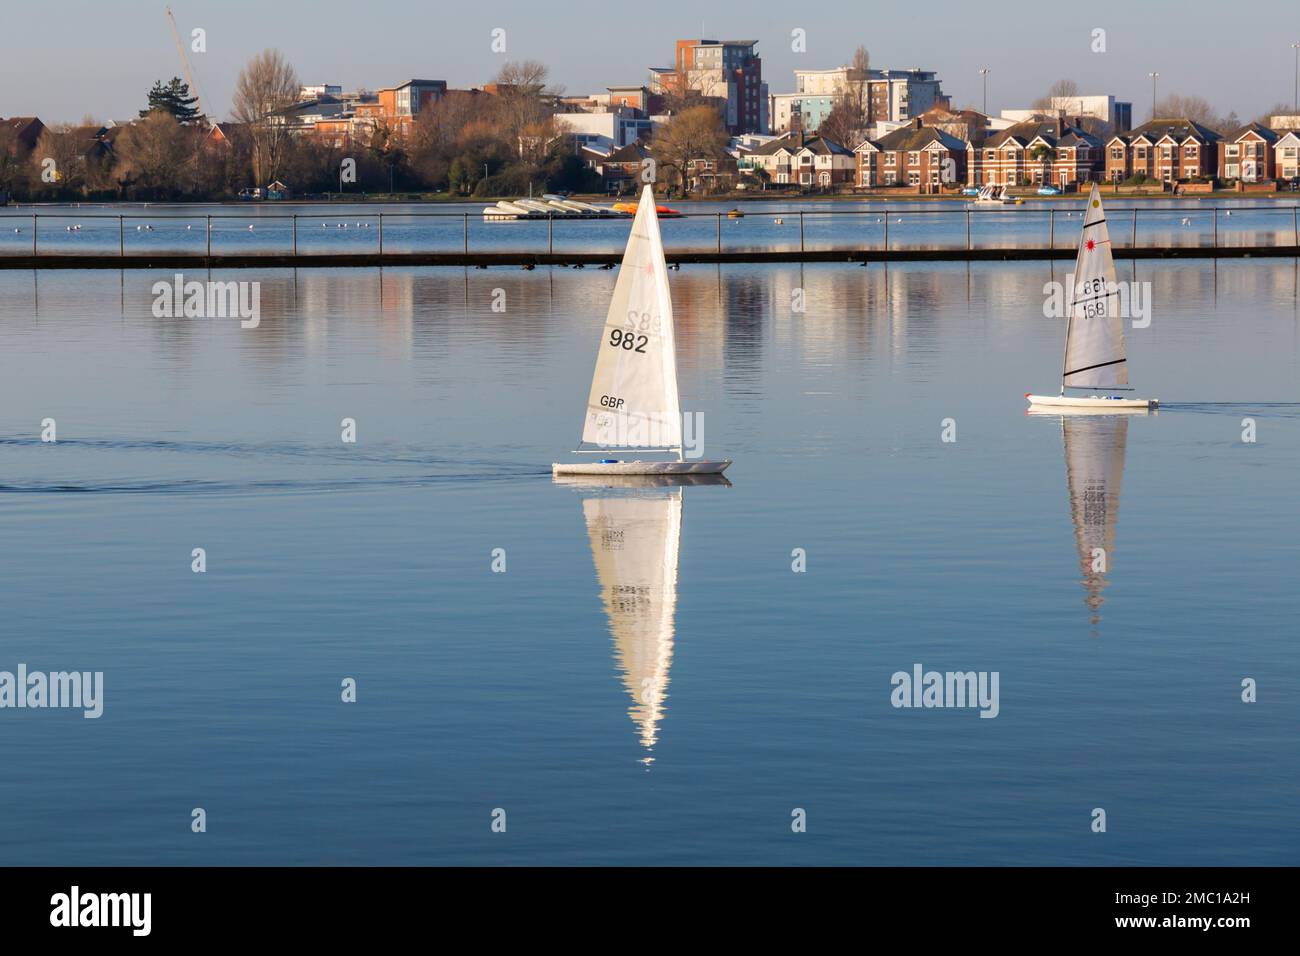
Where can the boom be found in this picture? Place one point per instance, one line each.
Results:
(185, 64)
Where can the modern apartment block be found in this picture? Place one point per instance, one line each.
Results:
(894, 96)
(727, 71)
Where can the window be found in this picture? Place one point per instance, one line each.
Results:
(1231, 150)
(1190, 151)
(889, 159)
(914, 179)
(913, 158)
(990, 155)
(889, 177)
(1117, 154)
(1142, 153)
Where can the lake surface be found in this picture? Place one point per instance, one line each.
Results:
(619, 712)
(270, 228)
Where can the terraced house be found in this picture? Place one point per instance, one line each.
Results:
(920, 157)
(1247, 154)
(1168, 150)
(1037, 151)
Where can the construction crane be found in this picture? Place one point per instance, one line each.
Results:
(185, 64)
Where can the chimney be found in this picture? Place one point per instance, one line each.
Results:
(916, 123)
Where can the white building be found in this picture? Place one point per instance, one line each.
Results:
(605, 132)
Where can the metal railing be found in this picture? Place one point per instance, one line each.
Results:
(961, 235)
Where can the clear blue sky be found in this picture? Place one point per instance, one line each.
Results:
(99, 57)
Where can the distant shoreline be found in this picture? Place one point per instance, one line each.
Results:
(424, 199)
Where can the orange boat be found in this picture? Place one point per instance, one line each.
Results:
(629, 208)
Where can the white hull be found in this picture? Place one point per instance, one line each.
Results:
(642, 468)
(1090, 401)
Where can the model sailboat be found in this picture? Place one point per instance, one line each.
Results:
(1095, 358)
(634, 403)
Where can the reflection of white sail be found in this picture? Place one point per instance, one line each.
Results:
(1094, 339)
(633, 401)
(1094, 466)
(634, 544)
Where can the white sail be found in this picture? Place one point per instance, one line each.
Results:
(1094, 340)
(634, 545)
(633, 401)
(1094, 466)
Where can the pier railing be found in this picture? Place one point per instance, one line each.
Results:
(915, 231)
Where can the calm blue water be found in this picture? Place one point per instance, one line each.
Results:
(440, 227)
(481, 690)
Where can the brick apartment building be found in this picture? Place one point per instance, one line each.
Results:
(1168, 150)
(921, 157)
(1037, 151)
(729, 72)
(1247, 154)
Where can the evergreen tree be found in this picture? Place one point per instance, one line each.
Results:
(174, 98)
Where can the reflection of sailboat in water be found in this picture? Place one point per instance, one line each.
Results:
(635, 540)
(1094, 470)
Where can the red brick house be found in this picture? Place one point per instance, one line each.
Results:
(1168, 150)
(1246, 154)
(920, 157)
(620, 170)
(1037, 151)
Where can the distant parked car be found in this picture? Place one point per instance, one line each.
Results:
(1048, 191)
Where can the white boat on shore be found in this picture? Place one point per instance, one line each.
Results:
(550, 206)
(634, 404)
(1095, 356)
(996, 195)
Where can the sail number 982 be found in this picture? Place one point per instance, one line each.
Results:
(633, 338)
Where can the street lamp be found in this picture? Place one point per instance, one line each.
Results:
(1154, 77)
(1296, 104)
(984, 72)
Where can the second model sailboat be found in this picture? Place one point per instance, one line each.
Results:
(1095, 357)
(634, 401)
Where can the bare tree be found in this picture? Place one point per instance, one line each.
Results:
(1277, 109)
(859, 85)
(67, 146)
(696, 134)
(266, 86)
(1060, 90)
(521, 100)
(153, 153)
(1193, 108)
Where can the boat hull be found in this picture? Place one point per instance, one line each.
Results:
(1091, 401)
(641, 468)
